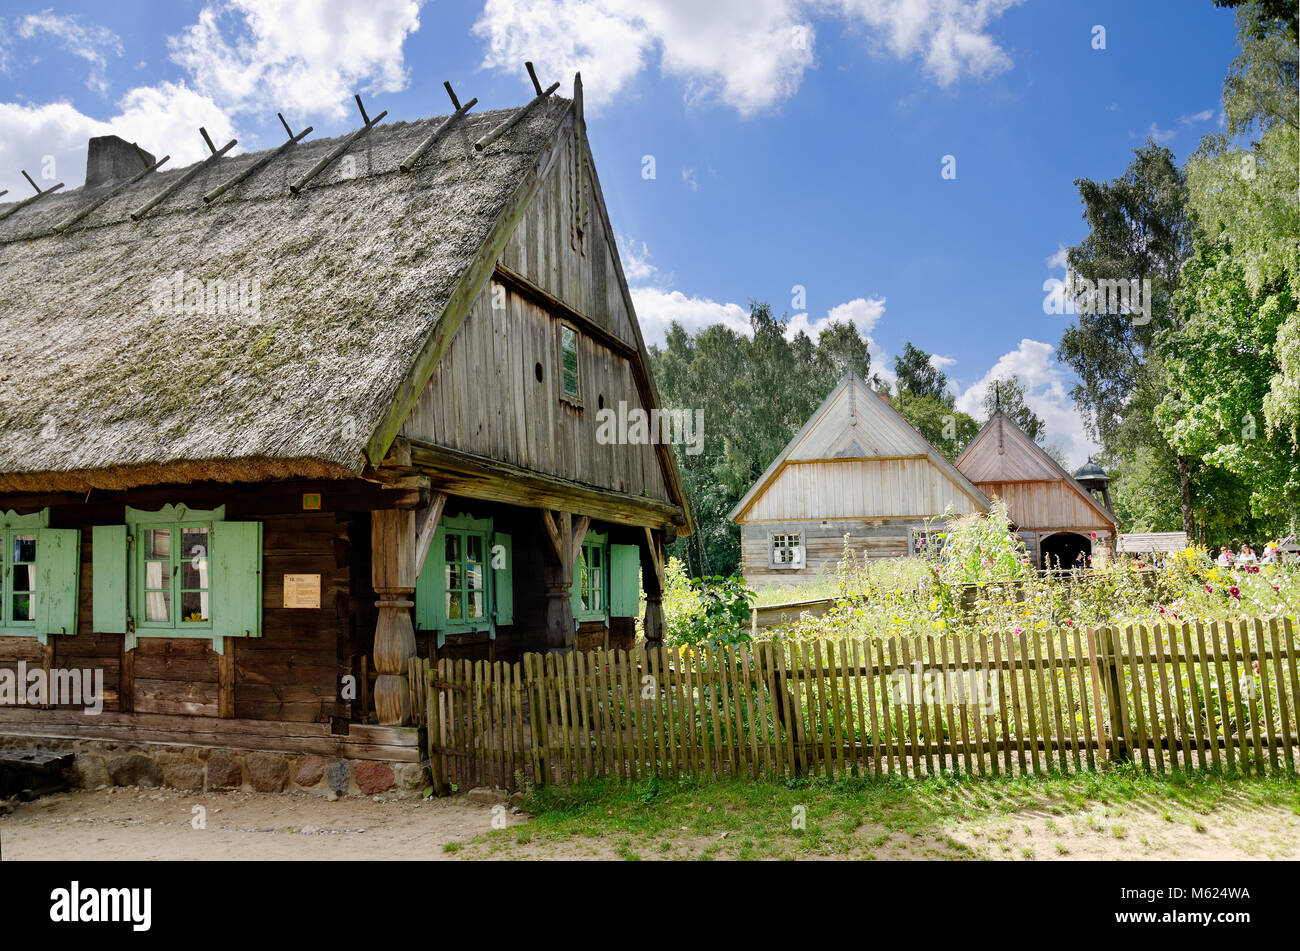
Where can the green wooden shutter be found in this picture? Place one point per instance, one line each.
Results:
(58, 570)
(503, 579)
(236, 561)
(575, 590)
(429, 593)
(624, 580)
(108, 555)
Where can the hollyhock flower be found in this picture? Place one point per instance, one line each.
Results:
(1235, 592)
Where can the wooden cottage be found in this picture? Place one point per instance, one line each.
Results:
(1055, 516)
(856, 468)
(279, 422)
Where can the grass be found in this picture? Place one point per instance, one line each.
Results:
(861, 818)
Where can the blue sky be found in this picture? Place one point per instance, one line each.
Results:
(793, 142)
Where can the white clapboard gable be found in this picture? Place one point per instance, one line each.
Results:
(856, 457)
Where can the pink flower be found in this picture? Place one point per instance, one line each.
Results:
(1209, 589)
(1019, 630)
(1069, 623)
(1256, 666)
(1235, 592)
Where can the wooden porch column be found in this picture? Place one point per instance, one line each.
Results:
(392, 573)
(652, 580)
(565, 532)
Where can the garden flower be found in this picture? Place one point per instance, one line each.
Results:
(1209, 589)
(1235, 592)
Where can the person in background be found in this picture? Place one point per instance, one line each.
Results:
(1270, 554)
(1225, 557)
(1247, 556)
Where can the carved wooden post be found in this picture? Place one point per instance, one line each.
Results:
(652, 579)
(565, 533)
(392, 573)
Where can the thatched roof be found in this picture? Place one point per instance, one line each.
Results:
(107, 382)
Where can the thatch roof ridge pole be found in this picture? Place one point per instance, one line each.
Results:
(69, 222)
(181, 182)
(503, 128)
(408, 163)
(339, 149)
(28, 201)
(260, 163)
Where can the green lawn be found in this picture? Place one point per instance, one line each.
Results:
(864, 819)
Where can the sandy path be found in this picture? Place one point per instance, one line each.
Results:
(157, 824)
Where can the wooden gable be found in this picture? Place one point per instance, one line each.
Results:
(495, 392)
(858, 458)
(1003, 461)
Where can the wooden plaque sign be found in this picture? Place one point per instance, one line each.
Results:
(302, 591)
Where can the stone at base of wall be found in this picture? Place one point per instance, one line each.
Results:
(194, 769)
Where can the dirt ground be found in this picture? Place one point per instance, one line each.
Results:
(159, 824)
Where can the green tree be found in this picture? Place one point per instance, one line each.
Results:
(1138, 230)
(917, 374)
(948, 430)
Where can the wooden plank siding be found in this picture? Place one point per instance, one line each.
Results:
(291, 673)
(485, 399)
(848, 488)
(823, 545)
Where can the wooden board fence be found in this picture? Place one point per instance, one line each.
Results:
(1195, 696)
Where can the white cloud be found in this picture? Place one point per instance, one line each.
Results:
(163, 119)
(656, 309)
(950, 36)
(940, 362)
(1045, 393)
(301, 57)
(1205, 115)
(746, 54)
(635, 257)
(1057, 260)
(90, 42)
(1159, 135)
(688, 176)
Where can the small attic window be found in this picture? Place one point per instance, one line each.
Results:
(570, 384)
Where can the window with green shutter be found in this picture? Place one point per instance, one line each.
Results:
(40, 569)
(591, 579)
(467, 582)
(178, 572)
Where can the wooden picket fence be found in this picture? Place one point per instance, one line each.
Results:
(1218, 695)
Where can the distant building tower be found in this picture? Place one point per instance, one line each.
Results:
(1093, 478)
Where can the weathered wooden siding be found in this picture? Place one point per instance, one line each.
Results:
(823, 545)
(485, 398)
(860, 488)
(1047, 505)
(290, 673)
(545, 249)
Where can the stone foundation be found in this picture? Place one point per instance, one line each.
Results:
(196, 769)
